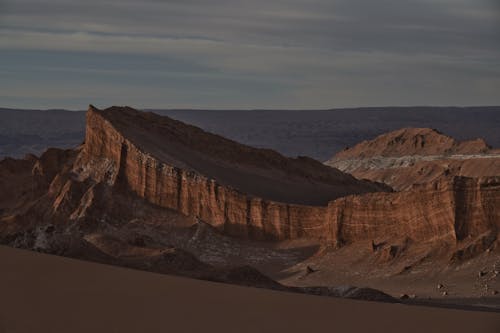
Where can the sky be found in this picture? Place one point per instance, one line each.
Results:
(240, 54)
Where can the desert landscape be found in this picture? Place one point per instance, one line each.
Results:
(315, 133)
(249, 166)
(414, 221)
(89, 297)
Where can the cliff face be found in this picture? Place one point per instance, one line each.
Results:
(119, 132)
(108, 155)
(151, 193)
(141, 167)
(450, 211)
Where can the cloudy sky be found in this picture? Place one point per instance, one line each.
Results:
(249, 54)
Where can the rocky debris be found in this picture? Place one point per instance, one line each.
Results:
(310, 270)
(407, 297)
(442, 289)
(471, 246)
(486, 279)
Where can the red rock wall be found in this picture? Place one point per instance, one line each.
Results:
(446, 211)
(443, 211)
(192, 194)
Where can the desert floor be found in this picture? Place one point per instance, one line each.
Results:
(44, 293)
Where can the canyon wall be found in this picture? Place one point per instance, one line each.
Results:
(191, 193)
(449, 210)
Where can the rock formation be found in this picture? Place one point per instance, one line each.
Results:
(417, 156)
(413, 141)
(244, 191)
(141, 169)
(450, 211)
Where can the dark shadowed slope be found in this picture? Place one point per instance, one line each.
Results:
(42, 293)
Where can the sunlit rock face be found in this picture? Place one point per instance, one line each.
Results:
(141, 167)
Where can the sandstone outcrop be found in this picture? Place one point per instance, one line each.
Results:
(243, 191)
(417, 156)
(448, 211)
(413, 141)
(151, 170)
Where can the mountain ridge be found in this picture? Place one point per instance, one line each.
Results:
(411, 156)
(318, 134)
(134, 188)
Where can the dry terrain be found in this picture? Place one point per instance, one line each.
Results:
(42, 293)
(152, 193)
(315, 133)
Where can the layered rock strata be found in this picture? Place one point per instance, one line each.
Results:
(170, 178)
(135, 165)
(416, 156)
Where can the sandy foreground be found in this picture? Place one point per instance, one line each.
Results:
(44, 293)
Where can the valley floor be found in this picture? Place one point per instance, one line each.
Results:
(422, 278)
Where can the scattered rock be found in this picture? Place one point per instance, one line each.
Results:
(444, 293)
(481, 273)
(494, 292)
(404, 296)
(310, 270)
(440, 286)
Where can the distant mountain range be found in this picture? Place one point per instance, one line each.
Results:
(315, 133)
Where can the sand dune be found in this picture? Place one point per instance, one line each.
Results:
(42, 293)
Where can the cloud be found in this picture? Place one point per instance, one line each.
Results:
(313, 52)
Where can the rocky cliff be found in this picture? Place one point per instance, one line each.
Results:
(145, 169)
(151, 193)
(451, 211)
(244, 191)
